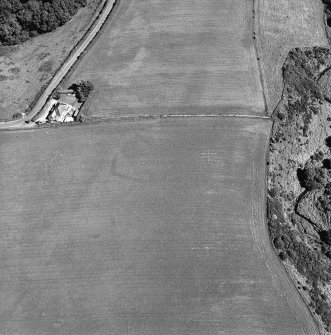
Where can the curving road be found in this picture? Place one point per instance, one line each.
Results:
(62, 72)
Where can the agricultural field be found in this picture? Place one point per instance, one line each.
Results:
(282, 25)
(180, 57)
(26, 68)
(141, 228)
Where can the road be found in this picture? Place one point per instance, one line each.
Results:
(62, 72)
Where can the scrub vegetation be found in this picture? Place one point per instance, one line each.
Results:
(299, 182)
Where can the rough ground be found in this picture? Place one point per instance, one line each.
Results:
(26, 68)
(281, 26)
(178, 57)
(298, 200)
(141, 228)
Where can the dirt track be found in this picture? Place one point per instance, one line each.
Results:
(141, 228)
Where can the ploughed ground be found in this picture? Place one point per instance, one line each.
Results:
(187, 57)
(151, 227)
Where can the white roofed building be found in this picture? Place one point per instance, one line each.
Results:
(60, 112)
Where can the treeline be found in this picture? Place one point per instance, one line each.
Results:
(22, 19)
(327, 4)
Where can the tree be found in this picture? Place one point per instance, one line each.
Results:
(325, 236)
(83, 89)
(17, 116)
(312, 177)
(328, 141)
(82, 118)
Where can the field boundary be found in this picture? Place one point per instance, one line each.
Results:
(256, 50)
(131, 118)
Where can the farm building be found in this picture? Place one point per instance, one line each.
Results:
(61, 112)
(65, 109)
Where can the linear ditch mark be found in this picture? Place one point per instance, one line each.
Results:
(168, 116)
(217, 115)
(131, 118)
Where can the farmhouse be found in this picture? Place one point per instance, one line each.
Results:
(65, 109)
(61, 112)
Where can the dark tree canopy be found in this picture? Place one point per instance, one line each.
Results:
(325, 236)
(327, 4)
(22, 19)
(312, 178)
(82, 89)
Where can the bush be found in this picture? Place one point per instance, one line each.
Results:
(282, 256)
(275, 210)
(273, 192)
(47, 66)
(82, 89)
(312, 178)
(82, 118)
(317, 156)
(278, 243)
(17, 116)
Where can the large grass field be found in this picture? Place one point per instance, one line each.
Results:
(150, 228)
(174, 57)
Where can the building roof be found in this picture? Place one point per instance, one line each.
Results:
(63, 108)
(69, 99)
